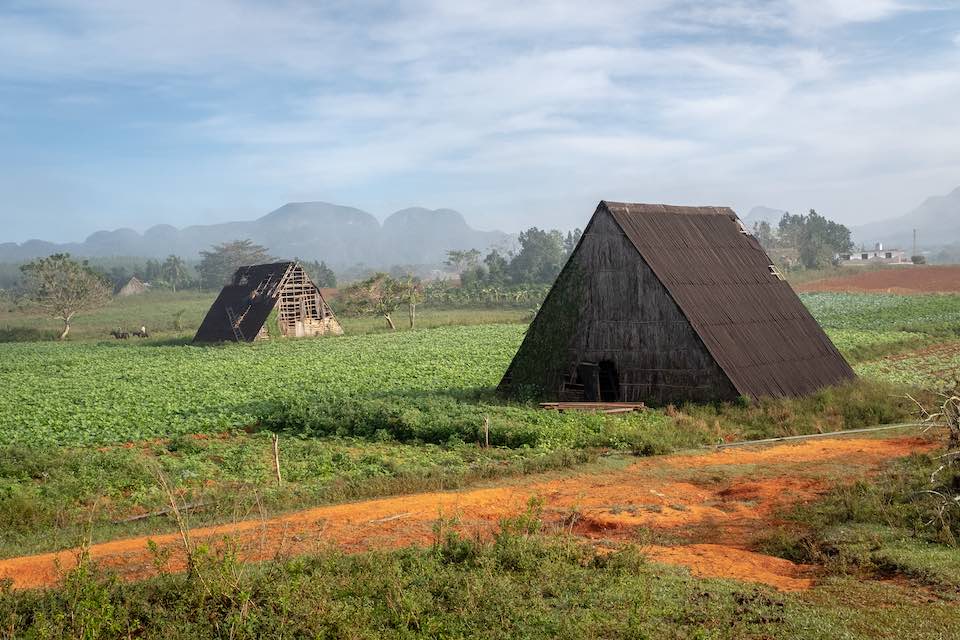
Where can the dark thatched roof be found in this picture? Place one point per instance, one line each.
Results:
(253, 293)
(750, 320)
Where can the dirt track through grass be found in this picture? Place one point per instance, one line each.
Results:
(704, 511)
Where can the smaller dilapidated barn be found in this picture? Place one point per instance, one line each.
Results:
(134, 286)
(666, 304)
(268, 300)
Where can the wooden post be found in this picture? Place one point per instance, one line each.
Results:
(276, 456)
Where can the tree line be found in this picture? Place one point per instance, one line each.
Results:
(64, 287)
(538, 260)
(817, 240)
(214, 270)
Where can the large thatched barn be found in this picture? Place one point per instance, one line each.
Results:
(242, 310)
(663, 304)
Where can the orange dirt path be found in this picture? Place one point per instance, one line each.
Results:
(714, 505)
(900, 279)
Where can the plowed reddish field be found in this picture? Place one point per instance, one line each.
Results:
(901, 279)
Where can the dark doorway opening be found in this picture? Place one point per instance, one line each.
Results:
(599, 380)
(609, 382)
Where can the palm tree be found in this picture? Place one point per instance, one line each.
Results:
(174, 271)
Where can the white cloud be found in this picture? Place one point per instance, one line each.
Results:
(827, 13)
(491, 102)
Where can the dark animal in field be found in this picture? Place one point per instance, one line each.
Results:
(142, 333)
(120, 335)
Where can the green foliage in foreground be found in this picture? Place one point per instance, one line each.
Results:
(863, 403)
(887, 525)
(52, 497)
(523, 584)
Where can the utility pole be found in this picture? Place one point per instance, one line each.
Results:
(914, 242)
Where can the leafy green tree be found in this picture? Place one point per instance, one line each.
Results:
(463, 260)
(498, 268)
(174, 271)
(816, 239)
(475, 276)
(324, 276)
(540, 257)
(380, 294)
(763, 232)
(412, 294)
(63, 287)
(820, 240)
(570, 242)
(217, 265)
(789, 229)
(152, 271)
(118, 275)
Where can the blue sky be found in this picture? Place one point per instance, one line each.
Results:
(122, 113)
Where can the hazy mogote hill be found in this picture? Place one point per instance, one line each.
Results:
(339, 235)
(937, 221)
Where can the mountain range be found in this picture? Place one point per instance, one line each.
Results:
(937, 221)
(345, 236)
(341, 236)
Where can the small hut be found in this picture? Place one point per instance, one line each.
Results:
(244, 310)
(133, 287)
(665, 304)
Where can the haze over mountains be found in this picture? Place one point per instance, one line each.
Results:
(936, 219)
(341, 236)
(345, 236)
(762, 214)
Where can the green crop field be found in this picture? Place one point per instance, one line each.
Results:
(427, 385)
(362, 414)
(908, 341)
(937, 314)
(95, 433)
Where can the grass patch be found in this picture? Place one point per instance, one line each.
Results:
(178, 315)
(56, 498)
(884, 526)
(857, 404)
(524, 583)
(51, 496)
(858, 345)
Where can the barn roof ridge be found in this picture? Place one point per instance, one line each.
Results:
(642, 207)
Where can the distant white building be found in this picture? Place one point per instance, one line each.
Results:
(877, 255)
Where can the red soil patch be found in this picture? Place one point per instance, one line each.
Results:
(903, 279)
(943, 350)
(721, 561)
(719, 503)
(860, 451)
